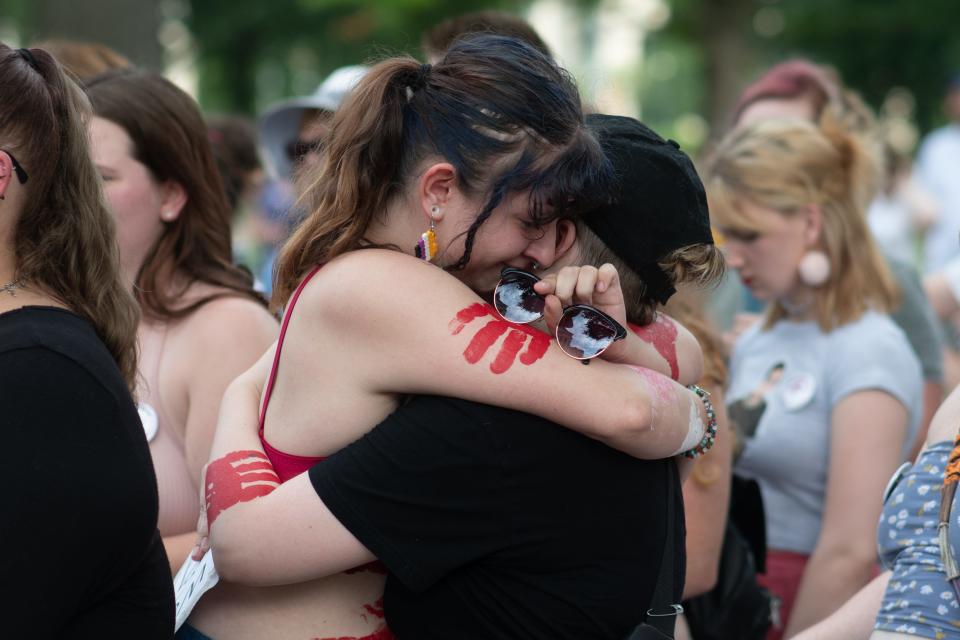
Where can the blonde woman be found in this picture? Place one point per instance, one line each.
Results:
(840, 417)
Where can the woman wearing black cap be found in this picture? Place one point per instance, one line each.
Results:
(436, 158)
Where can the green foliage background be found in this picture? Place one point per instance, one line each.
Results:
(251, 52)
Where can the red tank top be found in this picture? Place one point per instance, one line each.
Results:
(287, 465)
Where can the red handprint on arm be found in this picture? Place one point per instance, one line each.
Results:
(489, 333)
(239, 476)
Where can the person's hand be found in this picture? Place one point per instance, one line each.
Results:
(599, 288)
(239, 476)
(203, 528)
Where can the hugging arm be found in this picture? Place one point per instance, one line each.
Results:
(663, 345)
(445, 341)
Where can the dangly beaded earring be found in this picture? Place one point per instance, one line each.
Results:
(426, 247)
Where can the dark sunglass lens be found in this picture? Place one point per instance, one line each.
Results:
(297, 149)
(583, 333)
(516, 300)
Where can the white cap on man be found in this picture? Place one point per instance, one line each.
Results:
(280, 124)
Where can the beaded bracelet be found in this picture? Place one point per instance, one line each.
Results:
(711, 434)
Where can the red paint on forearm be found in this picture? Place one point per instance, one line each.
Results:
(483, 340)
(239, 476)
(508, 352)
(488, 334)
(661, 385)
(662, 334)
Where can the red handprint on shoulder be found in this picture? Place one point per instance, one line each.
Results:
(239, 476)
(662, 334)
(489, 333)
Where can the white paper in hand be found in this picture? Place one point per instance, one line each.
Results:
(193, 580)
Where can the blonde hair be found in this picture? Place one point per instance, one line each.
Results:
(786, 165)
(697, 265)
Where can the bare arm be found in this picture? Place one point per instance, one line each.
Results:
(281, 534)
(845, 556)
(444, 341)
(208, 350)
(855, 619)
(941, 297)
(286, 537)
(706, 499)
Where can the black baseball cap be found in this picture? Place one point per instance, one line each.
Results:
(659, 204)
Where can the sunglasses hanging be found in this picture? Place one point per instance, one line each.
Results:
(583, 332)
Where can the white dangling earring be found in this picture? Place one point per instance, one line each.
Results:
(814, 268)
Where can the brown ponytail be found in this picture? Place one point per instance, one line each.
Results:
(358, 176)
(503, 114)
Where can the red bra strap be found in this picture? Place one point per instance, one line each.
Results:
(283, 332)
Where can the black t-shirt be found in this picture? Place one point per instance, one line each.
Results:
(500, 524)
(82, 556)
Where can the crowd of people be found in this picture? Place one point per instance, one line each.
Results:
(257, 369)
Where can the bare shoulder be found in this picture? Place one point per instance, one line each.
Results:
(373, 279)
(230, 319)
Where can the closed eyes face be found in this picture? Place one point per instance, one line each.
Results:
(509, 237)
(766, 256)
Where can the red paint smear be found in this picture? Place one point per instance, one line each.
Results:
(228, 481)
(660, 383)
(371, 567)
(487, 336)
(382, 633)
(508, 352)
(484, 339)
(259, 465)
(376, 608)
(465, 316)
(662, 334)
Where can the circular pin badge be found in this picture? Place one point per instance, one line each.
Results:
(798, 390)
(151, 424)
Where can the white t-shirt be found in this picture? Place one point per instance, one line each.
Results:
(791, 377)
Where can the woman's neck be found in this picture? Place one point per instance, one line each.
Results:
(396, 228)
(800, 304)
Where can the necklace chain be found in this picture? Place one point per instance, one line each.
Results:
(12, 286)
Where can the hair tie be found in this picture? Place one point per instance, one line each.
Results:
(26, 55)
(420, 81)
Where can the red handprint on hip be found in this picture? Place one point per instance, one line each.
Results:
(489, 333)
(239, 476)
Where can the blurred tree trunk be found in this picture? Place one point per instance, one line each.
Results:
(725, 30)
(128, 26)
